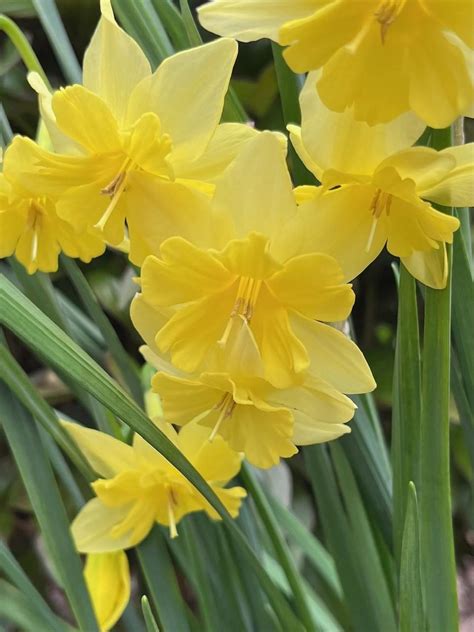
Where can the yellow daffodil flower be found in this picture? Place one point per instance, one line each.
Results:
(139, 487)
(141, 148)
(31, 229)
(253, 417)
(384, 190)
(107, 578)
(251, 303)
(381, 57)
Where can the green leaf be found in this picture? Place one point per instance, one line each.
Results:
(412, 617)
(437, 546)
(42, 335)
(16, 608)
(162, 584)
(57, 36)
(13, 571)
(406, 403)
(281, 549)
(192, 31)
(173, 22)
(350, 542)
(315, 552)
(128, 372)
(150, 622)
(30, 455)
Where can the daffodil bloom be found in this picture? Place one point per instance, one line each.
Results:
(251, 304)
(107, 578)
(381, 57)
(385, 190)
(255, 418)
(139, 487)
(141, 148)
(31, 229)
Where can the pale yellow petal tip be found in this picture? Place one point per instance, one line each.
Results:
(107, 578)
(107, 11)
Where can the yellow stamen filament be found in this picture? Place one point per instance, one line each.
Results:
(247, 294)
(381, 202)
(226, 407)
(386, 14)
(171, 516)
(34, 219)
(114, 190)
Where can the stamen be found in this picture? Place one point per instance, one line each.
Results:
(247, 294)
(226, 406)
(118, 188)
(34, 245)
(371, 235)
(386, 15)
(382, 201)
(171, 516)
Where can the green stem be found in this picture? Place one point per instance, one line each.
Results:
(437, 547)
(281, 548)
(22, 45)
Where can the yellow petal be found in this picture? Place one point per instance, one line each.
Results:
(86, 119)
(456, 188)
(319, 411)
(249, 257)
(306, 158)
(335, 140)
(107, 578)
(431, 267)
(261, 165)
(191, 333)
(113, 63)
(214, 460)
(264, 433)
(106, 455)
(92, 527)
(249, 20)
(335, 358)
(456, 16)
(157, 209)
(12, 225)
(314, 39)
(417, 228)
(183, 400)
(225, 144)
(183, 274)
(283, 354)
(231, 499)
(339, 223)
(147, 321)
(423, 165)
(187, 93)
(313, 285)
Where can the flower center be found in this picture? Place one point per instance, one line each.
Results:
(226, 407)
(114, 190)
(247, 294)
(386, 14)
(381, 202)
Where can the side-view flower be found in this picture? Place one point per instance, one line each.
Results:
(381, 57)
(378, 189)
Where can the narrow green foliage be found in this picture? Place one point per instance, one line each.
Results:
(191, 29)
(150, 622)
(172, 21)
(128, 371)
(282, 551)
(437, 547)
(412, 618)
(13, 571)
(57, 36)
(160, 578)
(32, 461)
(406, 403)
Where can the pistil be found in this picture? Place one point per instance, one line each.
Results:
(387, 13)
(247, 294)
(381, 202)
(226, 407)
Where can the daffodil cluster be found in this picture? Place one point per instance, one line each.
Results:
(243, 277)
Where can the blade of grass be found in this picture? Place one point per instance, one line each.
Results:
(30, 455)
(412, 618)
(281, 549)
(289, 90)
(128, 372)
(361, 594)
(160, 578)
(437, 547)
(192, 31)
(172, 22)
(57, 36)
(24, 319)
(19, 383)
(22, 45)
(13, 571)
(406, 404)
(151, 624)
(369, 560)
(16, 608)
